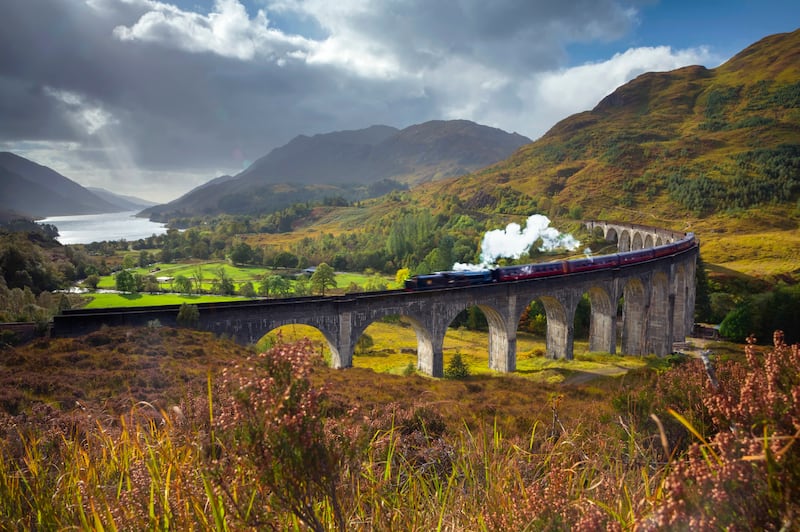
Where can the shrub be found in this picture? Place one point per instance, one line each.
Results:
(747, 474)
(457, 368)
(247, 289)
(273, 425)
(364, 343)
(738, 324)
(188, 315)
(92, 281)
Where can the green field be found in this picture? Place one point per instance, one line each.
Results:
(239, 275)
(101, 300)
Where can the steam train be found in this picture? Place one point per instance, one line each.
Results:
(450, 279)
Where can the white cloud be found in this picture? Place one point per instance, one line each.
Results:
(452, 54)
(495, 63)
(87, 118)
(547, 97)
(227, 31)
(144, 88)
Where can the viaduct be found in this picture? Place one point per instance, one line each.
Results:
(656, 298)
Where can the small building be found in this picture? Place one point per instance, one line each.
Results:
(706, 331)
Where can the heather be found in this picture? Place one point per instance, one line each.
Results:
(213, 436)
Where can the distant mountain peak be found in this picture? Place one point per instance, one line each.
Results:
(124, 202)
(352, 159)
(29, 187)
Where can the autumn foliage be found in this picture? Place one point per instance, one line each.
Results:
(269, 443)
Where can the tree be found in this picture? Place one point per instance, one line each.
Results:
(284, 259)
(438, 260)
(721, 304)
(148, 283)
(353, 288)
(457, 368)
(247, 289)
(534, 319)
(242, 253)
(166, 255)
(126, 282)
(273, 285)
(223, 284)
(200, 250)
(401, 276)
(302, 286)
(92, 281)
(583, 317)
(323, 277)
(144, 259)
(702, 300)
(738, 324)
(423, 268)
(128, 262)
(182, 284)
(198, 277)
(476, 319)
(138, 282)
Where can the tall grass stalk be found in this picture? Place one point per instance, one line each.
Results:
(404, 468)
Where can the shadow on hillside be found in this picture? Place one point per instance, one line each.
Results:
(716, 269)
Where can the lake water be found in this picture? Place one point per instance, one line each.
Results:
(88, 228)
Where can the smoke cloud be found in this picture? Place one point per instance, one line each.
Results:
(513, 241)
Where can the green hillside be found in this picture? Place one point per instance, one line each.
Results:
(715, 151)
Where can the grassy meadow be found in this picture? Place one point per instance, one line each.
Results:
(106, 300)
(239, 275)
(394, 347)
(158, 428)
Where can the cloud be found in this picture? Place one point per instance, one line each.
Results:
(546, 97)
(153, 98)
(227, 31)
(86, 118)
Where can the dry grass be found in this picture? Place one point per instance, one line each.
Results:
(113, 368)
(395, 345)
(398, 453)
(761, 254)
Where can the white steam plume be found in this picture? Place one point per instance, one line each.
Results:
(513, 241)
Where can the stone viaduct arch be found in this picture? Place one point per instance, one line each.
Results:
(658, 308)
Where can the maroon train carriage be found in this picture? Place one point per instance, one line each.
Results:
(547, 269)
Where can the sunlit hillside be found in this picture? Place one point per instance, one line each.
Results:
(715, 151)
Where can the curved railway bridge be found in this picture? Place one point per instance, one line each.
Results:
(656, 297)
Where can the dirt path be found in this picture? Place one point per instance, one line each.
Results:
(584, 376)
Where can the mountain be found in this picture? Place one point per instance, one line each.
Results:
(715, 150)
(38, 191)
(682, 145)
(122, 202)
(352, 165)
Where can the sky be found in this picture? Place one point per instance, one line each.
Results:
(154, 97)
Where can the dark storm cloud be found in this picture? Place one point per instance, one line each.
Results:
(173, 109)
(507, 34)
(147, 92)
